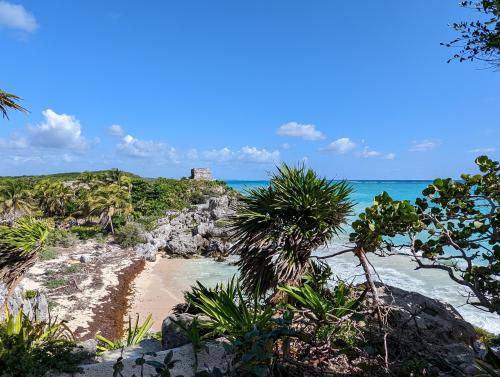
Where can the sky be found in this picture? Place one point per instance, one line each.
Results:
(355, 90)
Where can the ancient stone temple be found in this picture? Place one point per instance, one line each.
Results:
(201, 173)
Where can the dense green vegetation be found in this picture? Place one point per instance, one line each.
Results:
(31, 349)
(278, 227)
(109, 199)
(315, 319)
(301, 318)
(454, 226)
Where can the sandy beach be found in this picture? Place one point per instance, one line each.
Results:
(161, 284)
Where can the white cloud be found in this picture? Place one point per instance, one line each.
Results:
(305, 131)
(483, 150)
(14, 16)
(22, 160)
(115, 130)
(132, 147)
(58, 131)
(285, 146)
(368, 153)
(342, 145)
(245, 154)
(253, 154)
(423, 146)
(219, 155)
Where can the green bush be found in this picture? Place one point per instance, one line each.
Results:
(129, 235)
(324, 305)
(31, 349)
(486, 337)
(62, 238)
(48, 253)
(135, 334)
(55, 283)
(230, 312)
(86, 232)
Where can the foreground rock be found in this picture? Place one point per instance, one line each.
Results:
(430, 330)
(199, 230)
(173, 329)
(214, 356)
(33, 304)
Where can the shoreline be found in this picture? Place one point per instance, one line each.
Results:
(160, 286)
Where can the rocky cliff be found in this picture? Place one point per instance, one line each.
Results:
(199, 230)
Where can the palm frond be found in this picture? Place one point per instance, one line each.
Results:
(10, 101)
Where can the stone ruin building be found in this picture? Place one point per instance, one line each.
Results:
(201, 173)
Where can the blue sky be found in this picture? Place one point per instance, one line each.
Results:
(357, 90)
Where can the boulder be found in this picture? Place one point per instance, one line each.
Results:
(132, 352)
(212, 356)
(431, 329)
(36, 307)
(86, 258)
(172, 330)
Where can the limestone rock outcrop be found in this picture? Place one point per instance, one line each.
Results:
(199, 230)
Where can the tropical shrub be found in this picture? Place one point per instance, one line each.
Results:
(135, 334)
(14, 198)
(62, 238)
(254, 351)
(110, 201)
(318, 276)
(454, 227)
(324, 305)
(129, 235)
(230, 312)
(53, 197)
(276, 228)
(31, 349)
(86, 232)
(26, 236)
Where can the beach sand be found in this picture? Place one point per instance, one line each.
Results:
(161, 284)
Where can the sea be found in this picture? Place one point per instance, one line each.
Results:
(397, 271)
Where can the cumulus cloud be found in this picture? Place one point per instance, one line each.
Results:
(304, 131)
(483, 150)
(423, 146)
(253, 154)
(369, 153)
(342, 145)
(285, 146)
(14, 16)
(245, 154)
(58, 131)
(135, 148)
(115, 130)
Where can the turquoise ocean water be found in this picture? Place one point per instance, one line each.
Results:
(396, 271)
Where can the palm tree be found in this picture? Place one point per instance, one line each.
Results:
(53, 197)
(278, 227)
(110, 201)
(14, 198)
(9, 101)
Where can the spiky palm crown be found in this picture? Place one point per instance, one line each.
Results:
(9, 101)
(276, 228)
